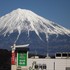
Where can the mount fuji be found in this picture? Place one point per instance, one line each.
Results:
(22, 26)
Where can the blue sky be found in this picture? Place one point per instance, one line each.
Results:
(55, 10)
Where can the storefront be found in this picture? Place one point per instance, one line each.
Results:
(19, 57)
(20, 60)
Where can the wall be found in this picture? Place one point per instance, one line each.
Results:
(51, 64)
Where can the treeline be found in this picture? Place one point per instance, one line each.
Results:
(5, 59)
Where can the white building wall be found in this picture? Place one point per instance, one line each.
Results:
(52, 64)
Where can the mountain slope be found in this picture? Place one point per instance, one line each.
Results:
(23, 26)
(26, 20)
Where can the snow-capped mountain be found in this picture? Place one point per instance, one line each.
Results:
(22, 26)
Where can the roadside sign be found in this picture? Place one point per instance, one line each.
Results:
(22, 59)
(13, 58)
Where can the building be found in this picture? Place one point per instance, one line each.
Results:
(20, 60)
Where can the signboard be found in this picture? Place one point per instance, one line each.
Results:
(38, 66)
(22, 59)
(13, 58)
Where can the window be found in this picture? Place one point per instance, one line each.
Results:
(58, 55)
(64, 55)
(69, 54)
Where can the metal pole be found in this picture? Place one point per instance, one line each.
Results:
(54, 66)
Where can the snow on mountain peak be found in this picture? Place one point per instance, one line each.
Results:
(26, 20)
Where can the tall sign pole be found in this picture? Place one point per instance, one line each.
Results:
(13, 55)
(13, 58)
